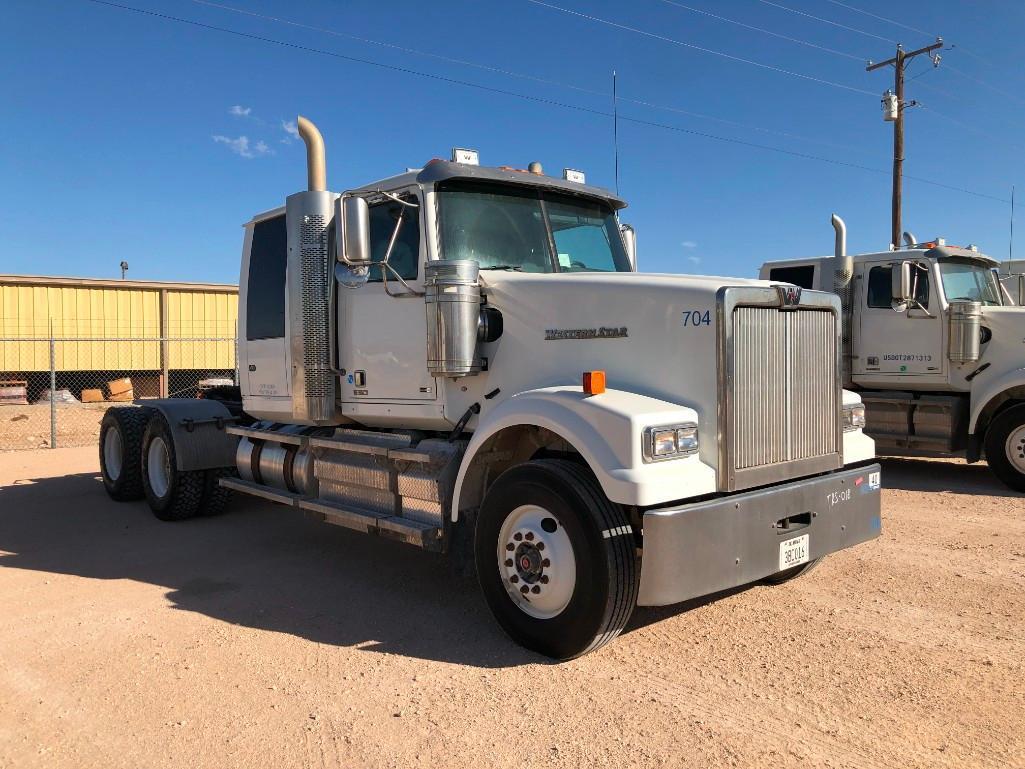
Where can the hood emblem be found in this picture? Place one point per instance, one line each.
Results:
(789, 296)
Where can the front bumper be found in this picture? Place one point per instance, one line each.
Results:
(702, 548)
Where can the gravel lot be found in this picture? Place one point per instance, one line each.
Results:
(262, 639)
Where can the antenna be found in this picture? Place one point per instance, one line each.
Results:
(615, 127)
(1010, 243)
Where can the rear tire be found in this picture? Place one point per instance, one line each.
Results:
(788, 574)
(216, 498)
(1005, 446)
(173, 495)
(555, 558)
(121, 434)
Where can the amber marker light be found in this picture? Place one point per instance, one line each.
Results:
(594, 382)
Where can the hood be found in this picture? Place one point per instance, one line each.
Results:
(652, 334)
(1005, 348)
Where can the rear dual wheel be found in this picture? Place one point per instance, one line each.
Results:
(121, 434)
(137, 459)
(555, 558)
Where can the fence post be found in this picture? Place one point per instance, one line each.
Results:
(53, 389)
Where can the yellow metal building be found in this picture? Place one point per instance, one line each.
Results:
(88, 315)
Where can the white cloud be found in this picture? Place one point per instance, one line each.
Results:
(239, 111)
(689, 244)
(694, 259)
(291, 130)
(242, 146)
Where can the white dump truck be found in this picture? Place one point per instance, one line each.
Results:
(465, 359)
(933, 344)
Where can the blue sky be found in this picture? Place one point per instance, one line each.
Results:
(133, 137)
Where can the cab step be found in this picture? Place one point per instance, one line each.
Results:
(416, 533)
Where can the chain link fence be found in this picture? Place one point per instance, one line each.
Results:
(54, 391)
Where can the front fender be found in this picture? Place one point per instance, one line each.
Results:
(984, 392)
(606, 430)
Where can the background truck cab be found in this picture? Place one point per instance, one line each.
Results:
(935, 347)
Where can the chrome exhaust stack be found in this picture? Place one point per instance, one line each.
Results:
(316, 161)
(309, 283)
(843, 286)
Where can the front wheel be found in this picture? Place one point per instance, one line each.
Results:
(1005, 446)
(555, 558)
(793, 573)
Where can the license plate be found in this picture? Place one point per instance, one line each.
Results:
(793, 552)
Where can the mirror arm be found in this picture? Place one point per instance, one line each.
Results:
(396, 198)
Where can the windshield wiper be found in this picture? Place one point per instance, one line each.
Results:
(516, 267)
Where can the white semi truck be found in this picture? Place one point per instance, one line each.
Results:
(934, 345)
(465, 359)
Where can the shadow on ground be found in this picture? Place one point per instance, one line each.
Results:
(928, 475)
(259, 565)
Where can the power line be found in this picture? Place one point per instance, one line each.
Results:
(534, 78)
(527, 97)
(765, 31)
(882, 18)
(984, 84)
(827, 21)
(403, 49)
(692, 46)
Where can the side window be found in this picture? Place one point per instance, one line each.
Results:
(405, 255)
(879, 287)
(803, 276)
(268, 257)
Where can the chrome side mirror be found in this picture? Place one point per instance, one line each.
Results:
(630, 244)
(352, 227)
(900, 284)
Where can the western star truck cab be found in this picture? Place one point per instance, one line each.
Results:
(466, 360)
(935, 348)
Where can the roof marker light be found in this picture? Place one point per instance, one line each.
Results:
(464, 156)
(571, 175)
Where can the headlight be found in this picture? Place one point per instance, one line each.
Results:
(670, 442)
(853, 417)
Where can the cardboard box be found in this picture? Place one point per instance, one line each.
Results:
(14, 392)
(91, 396)
(122, 397)
(119, 387)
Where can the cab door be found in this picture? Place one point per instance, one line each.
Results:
(382, 337)
(894, 344)
(264, 356)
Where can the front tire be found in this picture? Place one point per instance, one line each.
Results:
(555, 558)
(793, 573)
(121, 434)
(172, 494)
(1005, 447)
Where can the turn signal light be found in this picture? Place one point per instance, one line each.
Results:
(594, 382)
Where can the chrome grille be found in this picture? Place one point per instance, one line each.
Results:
(784, 400)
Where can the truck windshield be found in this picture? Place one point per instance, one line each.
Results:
(967, 280)
(528, 229)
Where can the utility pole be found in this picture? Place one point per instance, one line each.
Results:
(893, 110)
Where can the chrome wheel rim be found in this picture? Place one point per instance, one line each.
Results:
(536, 562)
(158, 464)
(1014, 448)
(112, 450)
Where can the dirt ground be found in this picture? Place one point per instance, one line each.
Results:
(23, 427)
(262, 639)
